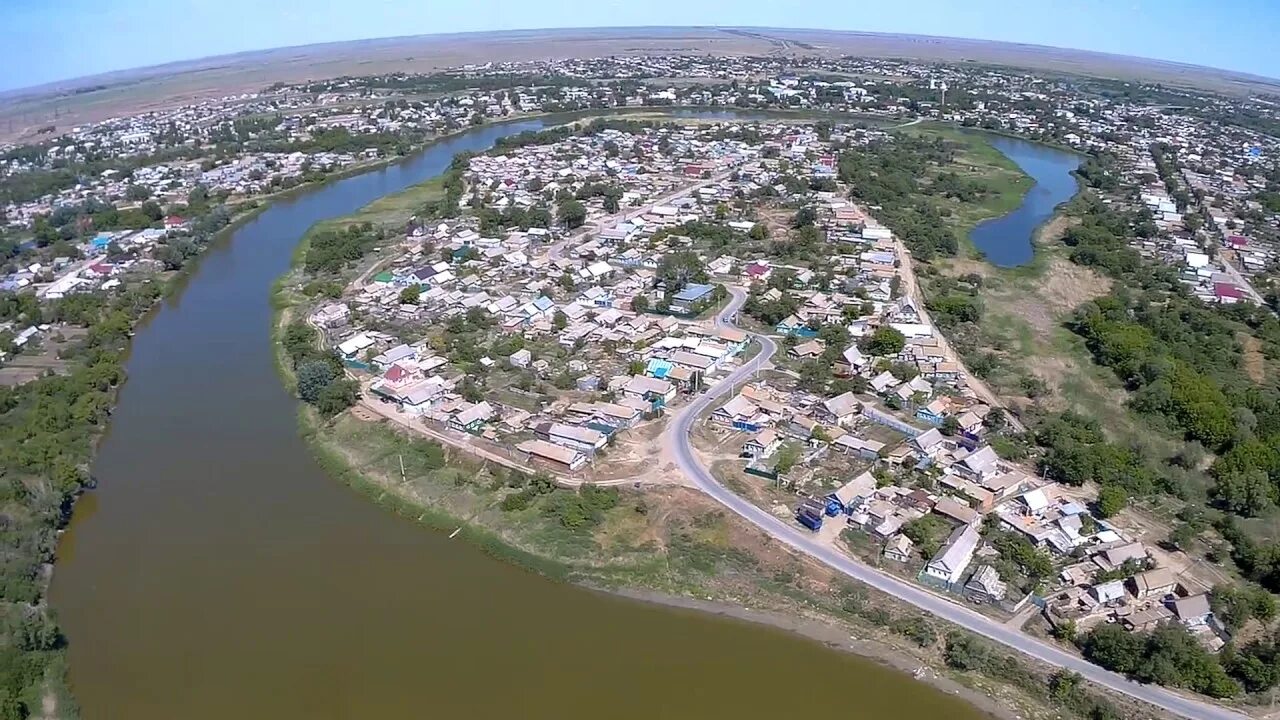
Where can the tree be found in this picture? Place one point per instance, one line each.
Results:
(559, 321)
(804, 216)
(995, 420)
(788, 456)
(137, 193)
(572, 213)
(410, 295)
(1111, 500)
(813, 376)
(313, 377)
(338, 396)
(640, 304)
(950, 425)
(886, 341)
(1247, 492)
(928, 533)
(759, 232)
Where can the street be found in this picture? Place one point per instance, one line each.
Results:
(676, 440)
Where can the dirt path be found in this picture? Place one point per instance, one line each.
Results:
(912, 289)
(1255, 365)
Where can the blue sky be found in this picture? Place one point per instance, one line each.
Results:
(46, 40)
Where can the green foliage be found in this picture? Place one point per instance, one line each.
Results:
(788, 456)
(1111, 500)
(330, 251)
(928, 533)
(678, 269)
(888, 174)
(1077, 452)
(572, 213)
(583, 510)
(1236, 604)
(337, 396)
(1168, 655)
(885, 341)
(313, 377)
(410, 295)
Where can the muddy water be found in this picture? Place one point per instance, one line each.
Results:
(218, 573)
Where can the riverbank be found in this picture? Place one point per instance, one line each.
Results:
(663, 542)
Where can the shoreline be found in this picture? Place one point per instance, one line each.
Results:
(826, 633)
(821, 626)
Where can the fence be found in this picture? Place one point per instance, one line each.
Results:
(883, 418)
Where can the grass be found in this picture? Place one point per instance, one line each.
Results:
(397, 208)
(977, 159)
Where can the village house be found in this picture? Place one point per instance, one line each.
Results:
(583, 439)
(899, 549)
(946, 569)
(558, 455)
(762, 444)
(985, 586)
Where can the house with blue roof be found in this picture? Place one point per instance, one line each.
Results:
(690, 297)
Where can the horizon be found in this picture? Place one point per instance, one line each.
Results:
(1232, 22)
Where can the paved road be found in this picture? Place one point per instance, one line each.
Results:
(677, 440)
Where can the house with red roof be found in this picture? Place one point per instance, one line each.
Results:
(395, 376)
(1227, 293)
(758, 272)
(173, 222)
(1237, 241)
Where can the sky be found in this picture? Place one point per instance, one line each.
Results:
(43, 41)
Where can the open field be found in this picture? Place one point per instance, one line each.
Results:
(72, 102)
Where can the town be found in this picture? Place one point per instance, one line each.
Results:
(566, 295)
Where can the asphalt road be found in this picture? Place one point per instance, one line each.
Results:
(678, 441)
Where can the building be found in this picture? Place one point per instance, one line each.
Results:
(899, 549)
(854, 445)
(840, 410)
(471, 419)
(582, 439)
(985, 586)
(559, 455)
(854, 492)
(946, 569)
(1153, 583)
(1193, 611)
(691, 297)
(658, 392)
(762, 444)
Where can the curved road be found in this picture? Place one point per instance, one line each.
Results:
(677, 438)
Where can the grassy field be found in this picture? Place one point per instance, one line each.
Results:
(976, 159)
(397, 208)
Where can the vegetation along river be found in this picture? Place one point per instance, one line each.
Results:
(218, 573)
(1007, 241)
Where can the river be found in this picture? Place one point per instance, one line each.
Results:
(217, 573)
(1008, 240)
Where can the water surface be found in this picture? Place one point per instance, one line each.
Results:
(217, 573)
(1007, 241)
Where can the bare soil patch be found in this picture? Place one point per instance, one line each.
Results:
(1255, 365)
